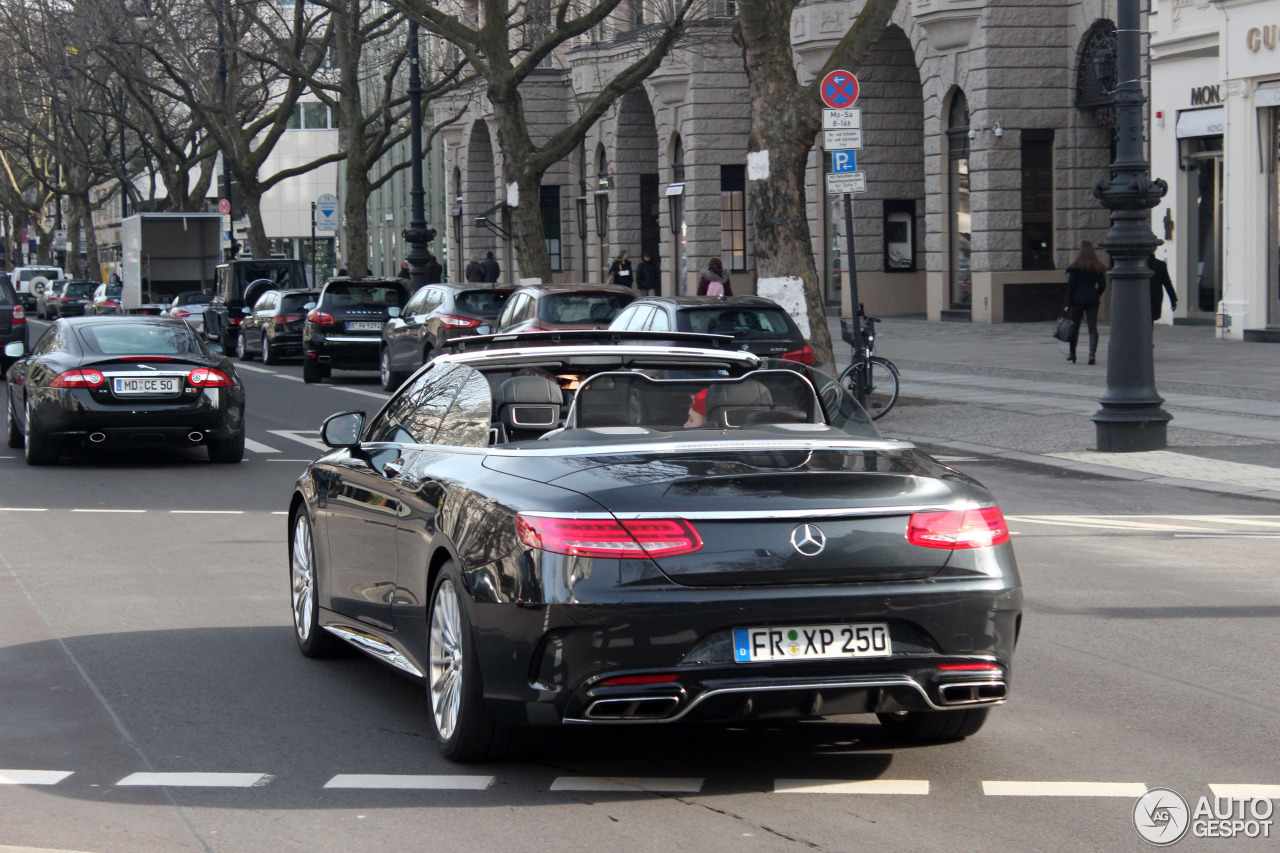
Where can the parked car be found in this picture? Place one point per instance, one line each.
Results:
(239, 285)
(66, 298)
(436, 315)
(107, 301)
(190, 306)
(273, 328)
(757, 324)
(29, 281)
(45, 293)
(344, 330)
(550, 307)
(13, 321)
(123, 380)
(610, 565)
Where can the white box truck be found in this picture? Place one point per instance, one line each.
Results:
(166, 254)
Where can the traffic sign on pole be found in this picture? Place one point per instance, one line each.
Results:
(846, 182)
(839, 90)
(839, 140)
(224, 206)
(327, 212)
(844, 161)
(842, 119)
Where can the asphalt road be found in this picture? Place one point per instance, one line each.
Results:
(145, 629)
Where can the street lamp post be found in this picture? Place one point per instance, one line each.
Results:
(226, 161)
(417, 235)
(1131, 418)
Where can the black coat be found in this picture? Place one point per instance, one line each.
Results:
(491, 270)
(475, 272)
(1160, 281)
(620, 273)
(1085, 287)
(648, 276)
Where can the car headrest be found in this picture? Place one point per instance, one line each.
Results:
(529, 389)
(529, 406)
(749, 392)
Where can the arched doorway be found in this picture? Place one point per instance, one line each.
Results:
(637, 222)
(959, 218)
(479, 197)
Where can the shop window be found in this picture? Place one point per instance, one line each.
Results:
(549, 200)
(1037, 199)
(733, 217)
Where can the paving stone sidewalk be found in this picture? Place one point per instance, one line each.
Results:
(1007, 390)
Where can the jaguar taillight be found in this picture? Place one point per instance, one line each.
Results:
(208, 377)
(79, 378)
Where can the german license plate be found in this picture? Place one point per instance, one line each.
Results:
(144, 386)
(811, 642)
(364, 326)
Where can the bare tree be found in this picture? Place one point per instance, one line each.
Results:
(785, 119)
(510, 40)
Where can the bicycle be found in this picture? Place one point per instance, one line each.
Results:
(871, 379)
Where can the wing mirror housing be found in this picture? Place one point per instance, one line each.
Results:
(393, 311)
(342, 430)
(14, 349)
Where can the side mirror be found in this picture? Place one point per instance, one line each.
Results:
(393, 311)
(343, 429)
(214, 348)
(308, 306)
(14, 349)
(246, 310)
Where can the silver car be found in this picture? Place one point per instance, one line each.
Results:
(190, 306)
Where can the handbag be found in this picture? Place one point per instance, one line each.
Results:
(1065, 330)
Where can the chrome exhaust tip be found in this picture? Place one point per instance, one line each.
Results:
(973, 692)
(633, 708)
(195, 437)
(97, 437)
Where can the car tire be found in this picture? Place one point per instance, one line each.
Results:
(313, 641)
(934, 725)
(311, 372)
(269, 355)
(41, 449)
(228, 341)
(391, 379)
(227, 451)
(16, 440)
(242, 351)
(465, 729)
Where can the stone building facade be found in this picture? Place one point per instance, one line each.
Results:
(986, 124)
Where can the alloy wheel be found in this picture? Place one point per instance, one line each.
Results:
(304, 577)
(384, 368)
(446, 659)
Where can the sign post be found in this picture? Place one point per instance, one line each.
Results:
(842, 136)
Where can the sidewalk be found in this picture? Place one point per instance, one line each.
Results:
(1007, 390)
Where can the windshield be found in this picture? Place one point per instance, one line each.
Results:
(114, 291)
(366, 296)
(296, 302)
(739, 322)
(582, 307)
(28, 273)
(484, 302)
(80, 289)
(139, 339)
(194, 297)
(841, 409)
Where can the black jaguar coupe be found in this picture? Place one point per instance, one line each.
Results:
(624, 532)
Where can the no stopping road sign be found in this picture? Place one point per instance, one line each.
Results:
(839, 90)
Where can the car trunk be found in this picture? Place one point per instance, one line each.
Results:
(782, 517)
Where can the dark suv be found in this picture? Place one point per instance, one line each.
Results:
(344, 330)
(436, 315)
(240, 284)
(273, 328)
(757, 324)
(13, 320)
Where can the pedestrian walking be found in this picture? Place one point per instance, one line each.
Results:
(648, 275)
(620, 270)
(1160, 285)
(491, 269)
(434, 270)
(1086, 280)
(714, 281)
(404, 271)
(475, 271)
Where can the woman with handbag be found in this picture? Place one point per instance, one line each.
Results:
(1086, 281)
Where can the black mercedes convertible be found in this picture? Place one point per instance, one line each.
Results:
(627, 532)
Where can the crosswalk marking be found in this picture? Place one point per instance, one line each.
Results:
(258, 447)
(1063, 789)
(404, 782)
(632, 784)
(1270, 792)
(196, 780)
(33, 777)
(361, 391)
(851, 786)
(301, 435)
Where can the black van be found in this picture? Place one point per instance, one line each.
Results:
(240, 283)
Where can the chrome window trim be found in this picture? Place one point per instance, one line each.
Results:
(374, 646)
(522, 353)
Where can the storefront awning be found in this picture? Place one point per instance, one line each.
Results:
(1210, 122)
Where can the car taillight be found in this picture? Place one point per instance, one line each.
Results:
(459, 322)
(967, 667)
(639, 679)
(287, 319)
(534, 329)
(234, 321)
(19, 315)
(181, 312)
(208, 377)
(955, 530)
(80, 378)
(321, 318)
(107, 303)
(804, 355)
(64, 298)
(607, 537)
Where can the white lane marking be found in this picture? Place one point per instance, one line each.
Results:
(197, 780)
(1106, 523)
(627, 784)
(33, 777)
(258, 447)
(8, 457)
(1227, 534)
(1063, 789)
(206, 512)
(301, 435)
(22, 509)
(280, 512)
(290, 378)
(416, 783)
(1269, 792)
(858, 786)
(252, 369)
(108, 510)
(361, 391)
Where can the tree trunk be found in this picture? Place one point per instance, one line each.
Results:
(251, 206)
(355, 211)
(92, 261)
(526, 218)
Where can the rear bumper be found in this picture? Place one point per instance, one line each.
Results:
(344, 351)
(74, 414)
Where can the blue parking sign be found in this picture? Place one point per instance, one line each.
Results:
(844, 161)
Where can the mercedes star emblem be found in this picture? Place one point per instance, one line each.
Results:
(808, 540)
